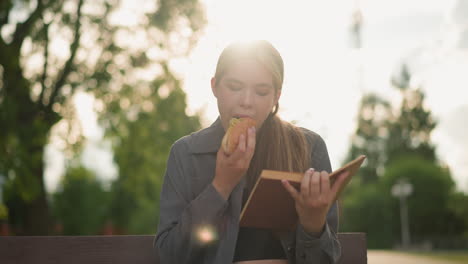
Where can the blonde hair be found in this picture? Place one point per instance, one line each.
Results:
(280, 144)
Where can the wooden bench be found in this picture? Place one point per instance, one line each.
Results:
(120, 249)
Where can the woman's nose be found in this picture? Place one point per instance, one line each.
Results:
(246, 98)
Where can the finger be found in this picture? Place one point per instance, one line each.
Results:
(240, 150)
(221, 154)
(251, 140)
(315, 184)
(291, 190)
(324, 183)
(242, 143)
(305, 190)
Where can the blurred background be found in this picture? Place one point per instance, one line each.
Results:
(94, 93)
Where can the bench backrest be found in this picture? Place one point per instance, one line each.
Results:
(120, 249)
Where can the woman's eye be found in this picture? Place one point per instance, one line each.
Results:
(234, 87)
(263, 93)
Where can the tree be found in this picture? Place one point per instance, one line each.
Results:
(411, 131)
(49, 50)
(81, 205)
(370, 137)
(373, 209)
(141, 150)
(397, 144)
(370, 209)
(430, 199)
(456, 202)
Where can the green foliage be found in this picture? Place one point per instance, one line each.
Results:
(397, 145)
(458, 205)
(411, 131)
(432, 188)
(3, 212)
(370, 137)
(141, 151)
(81, 205)
(99, 55)
(371, 210)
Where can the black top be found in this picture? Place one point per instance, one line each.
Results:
(257, 243)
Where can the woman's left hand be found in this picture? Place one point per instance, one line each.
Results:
(314, 198)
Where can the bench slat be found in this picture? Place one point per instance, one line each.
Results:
(353, 248)
(121, 249)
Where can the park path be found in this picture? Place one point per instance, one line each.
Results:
(388, 257)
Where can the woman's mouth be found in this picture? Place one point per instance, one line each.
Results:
(241, 116)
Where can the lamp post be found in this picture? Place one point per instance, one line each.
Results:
(402, 189)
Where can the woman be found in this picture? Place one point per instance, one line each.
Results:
(204, 188)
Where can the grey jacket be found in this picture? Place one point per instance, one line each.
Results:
(189, 203)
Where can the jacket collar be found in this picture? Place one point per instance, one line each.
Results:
(208, 140)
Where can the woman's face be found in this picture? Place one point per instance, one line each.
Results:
(245, 89)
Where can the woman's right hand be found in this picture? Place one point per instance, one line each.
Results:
(231, 168)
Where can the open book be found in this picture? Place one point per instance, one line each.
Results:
(271, 206)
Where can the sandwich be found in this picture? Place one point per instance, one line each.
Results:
(237, 127)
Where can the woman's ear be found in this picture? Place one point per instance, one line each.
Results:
(213, 87)
(277, 97)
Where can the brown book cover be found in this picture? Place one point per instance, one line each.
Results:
(271, 206)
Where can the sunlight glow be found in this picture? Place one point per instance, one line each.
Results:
(312, 37)
(322, 86)
(206, 234)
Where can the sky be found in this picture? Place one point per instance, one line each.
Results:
(324, 76)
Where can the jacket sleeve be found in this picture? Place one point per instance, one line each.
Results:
(324, 247)
(187, 226)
